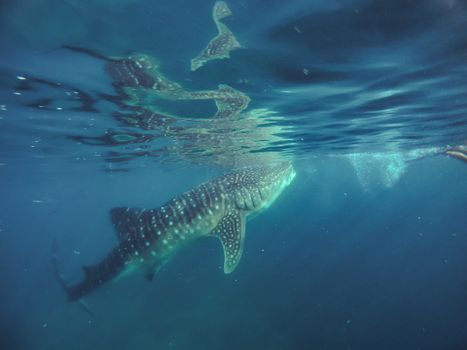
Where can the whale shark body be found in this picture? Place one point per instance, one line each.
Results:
(148, 238)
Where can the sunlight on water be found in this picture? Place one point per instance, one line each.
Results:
(323, 104)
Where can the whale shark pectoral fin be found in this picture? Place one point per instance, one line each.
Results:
(231, 232)
(125, 221)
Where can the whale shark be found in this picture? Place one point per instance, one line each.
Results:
(148, 238)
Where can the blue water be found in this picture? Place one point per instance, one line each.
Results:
(366, 249)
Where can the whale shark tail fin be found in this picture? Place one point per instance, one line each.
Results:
(65, 286)
(58, 274)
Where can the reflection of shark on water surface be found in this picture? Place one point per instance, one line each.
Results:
(220, 46)
(228, 137)
(148, 238)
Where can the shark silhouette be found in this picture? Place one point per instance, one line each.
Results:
(148, 238)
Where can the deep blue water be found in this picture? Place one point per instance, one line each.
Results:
(366, 249)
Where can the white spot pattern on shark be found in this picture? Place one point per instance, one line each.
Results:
(148, 238)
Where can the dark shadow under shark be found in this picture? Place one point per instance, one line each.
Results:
(148, 238)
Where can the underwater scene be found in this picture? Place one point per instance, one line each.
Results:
(248, 174)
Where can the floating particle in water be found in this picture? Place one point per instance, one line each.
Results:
(17, 93)
(37, 201)
(297, 29)
(2, 107)
(20, 77)
(306, 71)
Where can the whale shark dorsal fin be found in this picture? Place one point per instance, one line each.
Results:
(125, 221)
(231, 232)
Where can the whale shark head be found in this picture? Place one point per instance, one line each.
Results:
(247, 192)
(255, 189)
